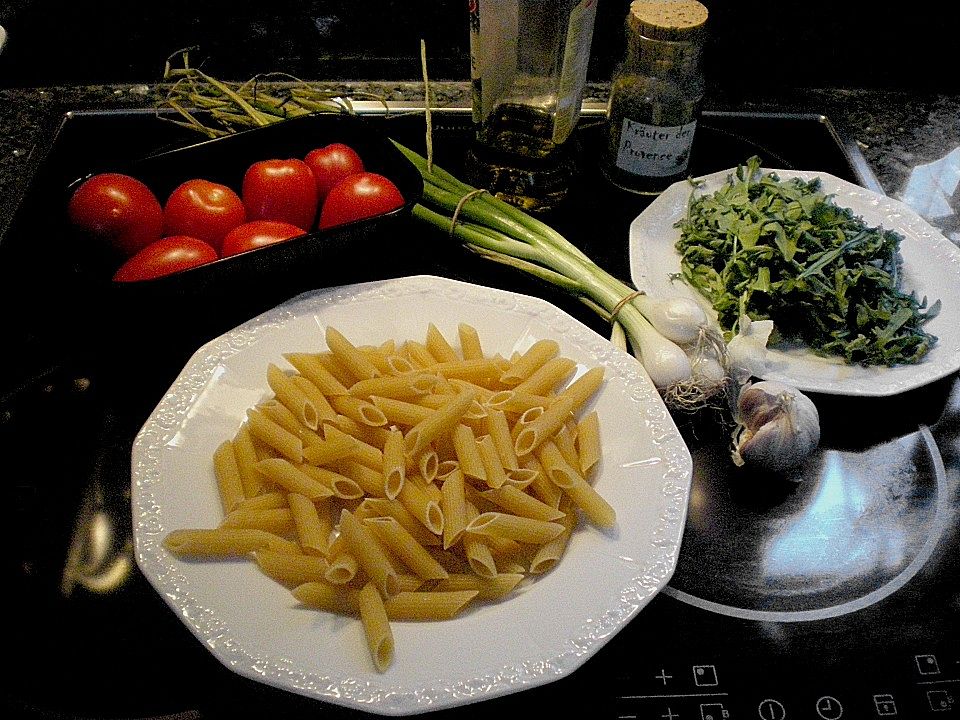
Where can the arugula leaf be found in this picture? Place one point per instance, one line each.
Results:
(784, 250)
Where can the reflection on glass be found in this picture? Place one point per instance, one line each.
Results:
(842, 533)
(931, 190)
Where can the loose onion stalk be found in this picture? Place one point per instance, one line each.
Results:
(491, 228)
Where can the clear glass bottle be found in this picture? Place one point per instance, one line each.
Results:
(528, 64)
(655, 95)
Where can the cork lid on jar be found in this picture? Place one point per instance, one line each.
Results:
(667, 19)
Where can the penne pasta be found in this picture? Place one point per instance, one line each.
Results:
(278, 521)
(493, 588)
(354, 360)
(399, 387)
(544, 380)
(438, 346)
(517, 502)
(428, 605)
(363, 411)
(529, 362)
(292, 397)
(437, 423)
(406, 548)
(404, 481)
(588, 443)
(246, 456)
(224, 542)
(312, 367)
(313, 526)
(514, 527)
(273, 434)
(370, 555)
(376, 626)
(229, 482)
(453, 504)
(570, 400)
(292, 478)
(495, 474)
(470, 346)
(290, 568)
(394, 465)
(583, 495)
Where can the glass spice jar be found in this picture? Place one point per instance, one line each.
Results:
(655, 95)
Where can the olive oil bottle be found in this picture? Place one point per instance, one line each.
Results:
(528, 64)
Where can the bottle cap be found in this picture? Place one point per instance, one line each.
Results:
(667, 19)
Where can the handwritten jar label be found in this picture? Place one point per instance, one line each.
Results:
(654, 150)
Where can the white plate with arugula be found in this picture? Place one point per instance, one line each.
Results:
(930, 268)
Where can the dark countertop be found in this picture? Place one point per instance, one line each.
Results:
(896, 132)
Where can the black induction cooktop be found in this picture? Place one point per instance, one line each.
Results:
(832, 593)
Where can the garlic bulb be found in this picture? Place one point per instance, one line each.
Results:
(779, 426)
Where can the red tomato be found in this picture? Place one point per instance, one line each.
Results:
(331, 164)
(204, 210)
(167, 255)
(281, 190)
(118, 208)
(258, 233)
(359, 196)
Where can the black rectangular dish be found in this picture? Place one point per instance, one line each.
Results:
(290, 266)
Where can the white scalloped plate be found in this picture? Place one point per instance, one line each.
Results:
(931, 267)
(255, 627)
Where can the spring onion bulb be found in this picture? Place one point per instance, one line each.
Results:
(677, 318)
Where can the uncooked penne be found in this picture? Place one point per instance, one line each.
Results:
(246, 456)
(229, 482)
(278, 521)
(492, 588)
(437, 423)
(275, 435)
(224, 542)
(494, 473)
(453, 503)
(394, 465)
(368, 551)
(376, 626)
(363, 411)
(422, 506)
(292, 397)
(347, 354)
(312, 367)
(406, 548)
(292, 478)
(514, 527)
(573, 484)
(588, 442)
(553, 373)
(517, 502)
(313, 526)
(430, 605)
(470, 346)
(407, 480)
(290, 568)
(399, 387)
(438, 346)
(535, 357)
(570, 400)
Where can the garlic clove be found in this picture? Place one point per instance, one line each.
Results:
(747, 350)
